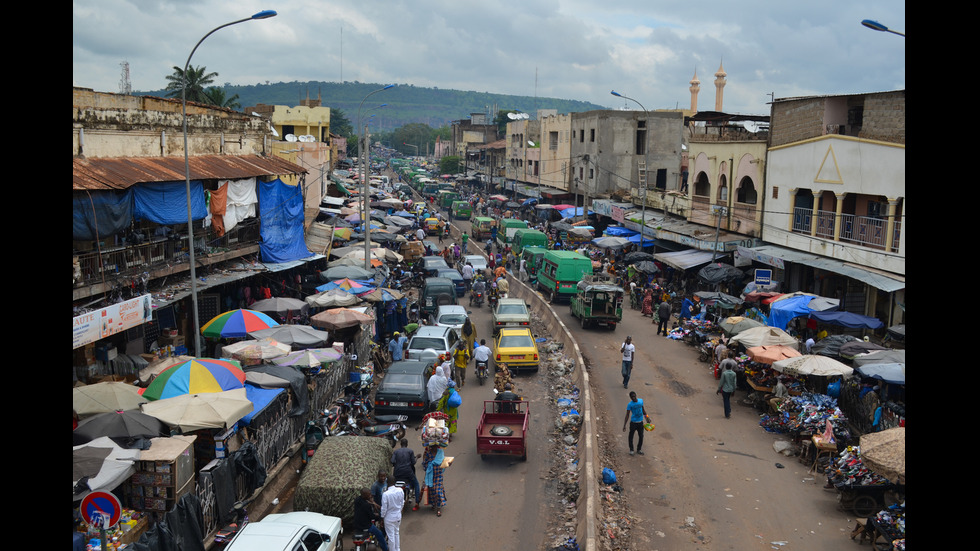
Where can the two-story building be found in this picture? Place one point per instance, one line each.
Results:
(835, 200)
(131, 208)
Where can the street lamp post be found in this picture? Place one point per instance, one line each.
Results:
(646, 164)
(361, 146)
(876, 26)
(187, 172)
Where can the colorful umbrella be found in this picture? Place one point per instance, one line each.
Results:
(190, 412)
(105, 397)
(309, 358)
(236, 324)
(200, 375)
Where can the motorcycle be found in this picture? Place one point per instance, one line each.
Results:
(476, 297)
(362, 538)
(314, 435)
(226, 534)
(492, 301)
(482, 371)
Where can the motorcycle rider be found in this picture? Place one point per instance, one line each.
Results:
(479, 287)
(482, 355)
(492, 295)
(508, 395)
(403, 461)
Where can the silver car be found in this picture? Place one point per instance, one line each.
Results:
(442, 340)
(510, 312)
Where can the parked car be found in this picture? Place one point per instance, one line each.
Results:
(402, 391)
(510, 312)
(452, 316)
(441, 339)
(432, 264)
(436, 292)
(458, 282)
(516, 348)
(288, 532)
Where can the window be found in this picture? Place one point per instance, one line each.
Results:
(591, 173)
(553, 141)
(723, 190)
(702, 187)
(592, 134)
(746, 192)
(641, 137)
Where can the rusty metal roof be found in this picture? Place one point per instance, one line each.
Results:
(123, 172)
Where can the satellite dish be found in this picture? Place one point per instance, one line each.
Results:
(512, 116)
(274, 133)
(291, 138)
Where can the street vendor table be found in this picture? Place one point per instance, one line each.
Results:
(821, 447)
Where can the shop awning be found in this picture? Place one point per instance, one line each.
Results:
(682, 260)
(776, 256)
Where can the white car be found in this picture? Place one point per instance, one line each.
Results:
(451, 315)
(478, 262)
(289, 532)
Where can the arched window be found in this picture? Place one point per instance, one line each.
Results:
(702, 187)
(746, 192)
(723, 190)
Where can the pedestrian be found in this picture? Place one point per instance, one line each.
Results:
(397, 346)
(434, 487)
(627, 350)
(379, 487)
(647, 303)
(461, 357)
(452, 412)
(636, 413)
(392, 502)
(420, 234)
(437, 385)
(468, 332)
(522, 273)
(663, 312)
(364, 516)
(466, 240)
(403, 466)
(726, 384)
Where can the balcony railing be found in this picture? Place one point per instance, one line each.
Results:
(130, 260)
(860, 230)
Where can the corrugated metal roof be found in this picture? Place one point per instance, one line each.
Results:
(123, 172)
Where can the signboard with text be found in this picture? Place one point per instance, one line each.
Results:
(98, 324)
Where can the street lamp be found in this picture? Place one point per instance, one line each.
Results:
(646, 164)
(366, 218)
(876, 26)
(187, 171)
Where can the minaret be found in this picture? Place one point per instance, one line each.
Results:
(695, 88)
(720, 87)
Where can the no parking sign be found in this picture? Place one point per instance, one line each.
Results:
(101, 509)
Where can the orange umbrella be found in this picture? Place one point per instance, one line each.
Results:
(770, 354)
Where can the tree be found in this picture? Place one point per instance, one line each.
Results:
(339, 123)
(216, 96)
(449, 164)
(198, 79)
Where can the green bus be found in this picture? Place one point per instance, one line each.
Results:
(527, 238)
(462, 210)
(560, 273)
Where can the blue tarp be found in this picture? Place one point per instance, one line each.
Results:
(529, 202)
(100, 214)
(847, 319)
(166, 202)
(620, 231)
(281, 219)
(573, 211)
(260, 397)
(782, 311)
(647, 242)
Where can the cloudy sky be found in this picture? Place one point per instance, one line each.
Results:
(572, 49)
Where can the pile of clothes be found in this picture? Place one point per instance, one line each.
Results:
(892, 521)
(435, 431)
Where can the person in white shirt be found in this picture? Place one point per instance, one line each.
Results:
(482, 353)
(627, 349)
(420, 234)
(522, 273)
(392, 502)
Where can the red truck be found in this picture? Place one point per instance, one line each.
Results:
(502, 429)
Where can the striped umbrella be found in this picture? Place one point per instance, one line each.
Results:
(197, 376)
(236, 324)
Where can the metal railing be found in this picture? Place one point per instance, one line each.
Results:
(862, 230)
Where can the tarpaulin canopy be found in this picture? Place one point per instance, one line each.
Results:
(281, 217)
(166, 202)
(781, 312)
(100, 214)
(889, 373)
(683, 260)
(847, 319)
(260, 397)
(620, 231)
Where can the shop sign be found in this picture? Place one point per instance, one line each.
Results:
(763, 277)
(99, 324)
(618, 214)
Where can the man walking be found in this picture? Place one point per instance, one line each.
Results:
(663, 312)
(627, 350)
(635, 415)
(391, 511)
(726, 385)
(397, 346)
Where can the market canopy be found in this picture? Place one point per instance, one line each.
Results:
(771, 354)
(236, 324)
(847, 319)
(884, 453)
(101, 465)
(760, 336)
(200, 375)
(734, 325)
(880, 357)
(813, 365)
(890, 373)
(786, 307)
(720, 299)
(190, 412)
(296, 336)
(682, 260)
(339, 318)
(105, 397)
(716, 272)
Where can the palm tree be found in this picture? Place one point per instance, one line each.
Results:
(216, 96)
(197, 81)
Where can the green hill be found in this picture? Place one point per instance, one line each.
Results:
(406, 103)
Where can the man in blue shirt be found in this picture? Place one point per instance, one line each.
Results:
(397, 346)
(635, 415)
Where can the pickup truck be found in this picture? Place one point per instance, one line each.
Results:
(288, 531)
(502, 429)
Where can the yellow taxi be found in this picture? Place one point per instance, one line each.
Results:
(433, 226)
(516, 348)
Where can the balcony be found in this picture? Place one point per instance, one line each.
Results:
(865, 231)
(161, 254)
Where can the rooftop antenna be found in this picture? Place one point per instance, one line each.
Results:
(125, 86)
